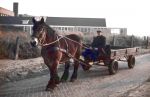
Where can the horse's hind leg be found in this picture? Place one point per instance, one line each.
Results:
(74, 74)
(75, 71)
(66, 72)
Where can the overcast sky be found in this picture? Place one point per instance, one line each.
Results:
(131, 14)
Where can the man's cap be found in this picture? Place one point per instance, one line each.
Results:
(98, 31)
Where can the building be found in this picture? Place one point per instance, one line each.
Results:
(88, 26)
(15, 8)
(62, 24)
(6, 12)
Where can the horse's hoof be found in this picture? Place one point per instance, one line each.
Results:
(57, 82)
(63, 80)
(49, 89)
(72, 80)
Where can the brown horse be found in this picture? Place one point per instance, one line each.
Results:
(56, 49)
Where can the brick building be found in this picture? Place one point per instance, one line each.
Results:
(6, 12)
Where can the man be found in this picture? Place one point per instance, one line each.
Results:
(98, 45)
(99, 41)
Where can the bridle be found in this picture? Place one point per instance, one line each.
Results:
(43, 38)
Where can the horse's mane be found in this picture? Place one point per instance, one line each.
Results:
(50, 30)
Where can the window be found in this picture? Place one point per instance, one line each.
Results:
(88, 30)
(65, 28)
(85, 29)
(62, 28)
(82, 29)
(70, 28)
(79, 29)
(59, 28)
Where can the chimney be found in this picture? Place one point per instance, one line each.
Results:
(15, 8)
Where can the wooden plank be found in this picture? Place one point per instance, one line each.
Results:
(131, 51)
(16, 49)
(120, 53)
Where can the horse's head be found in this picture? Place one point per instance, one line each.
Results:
(42, 33)
(39, 32)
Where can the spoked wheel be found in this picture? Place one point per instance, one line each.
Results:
(131, 61)
(113, 67)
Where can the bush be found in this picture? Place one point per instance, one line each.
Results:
(8, 44)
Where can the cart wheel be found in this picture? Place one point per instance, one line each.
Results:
(131, 61)
(113, 67)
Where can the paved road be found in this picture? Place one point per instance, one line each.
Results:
(94, 83)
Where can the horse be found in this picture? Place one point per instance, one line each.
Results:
(56, 49)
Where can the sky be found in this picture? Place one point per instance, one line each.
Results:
(131, 14)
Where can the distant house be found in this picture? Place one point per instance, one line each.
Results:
(58, 21)
(6, 12)
(62, 24)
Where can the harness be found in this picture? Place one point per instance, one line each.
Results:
(58, 38)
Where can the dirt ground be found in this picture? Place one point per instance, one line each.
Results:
(141, 91)
(11, 70)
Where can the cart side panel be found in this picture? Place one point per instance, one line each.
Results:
(121, 53)
(132, 51)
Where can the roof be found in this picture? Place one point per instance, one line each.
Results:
(68, 21)
(62, 21)
(14, 20)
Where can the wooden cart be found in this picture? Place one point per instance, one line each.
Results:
(111, 61)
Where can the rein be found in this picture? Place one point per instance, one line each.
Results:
(58, 39)
(66, 51)
(77, 42)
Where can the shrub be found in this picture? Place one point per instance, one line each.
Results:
(8, 44)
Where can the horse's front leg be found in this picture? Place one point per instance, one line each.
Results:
(66, 72)
(54, 78)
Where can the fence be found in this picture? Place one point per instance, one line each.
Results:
(129, 41)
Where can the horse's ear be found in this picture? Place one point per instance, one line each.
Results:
(33, 20)
(42, 20)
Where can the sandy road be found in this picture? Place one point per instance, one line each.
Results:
(94, 83)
